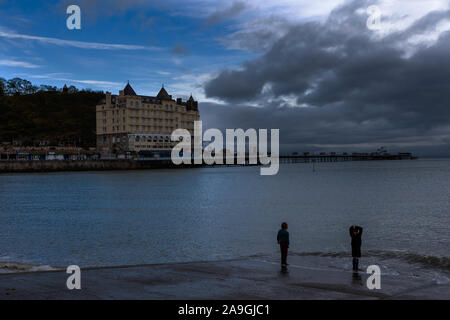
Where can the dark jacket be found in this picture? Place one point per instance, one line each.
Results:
(283, 236)
(355, 234)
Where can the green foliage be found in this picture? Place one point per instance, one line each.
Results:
(48, 115)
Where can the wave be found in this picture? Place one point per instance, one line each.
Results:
(15, 267)
(428, 261)
(425, 260)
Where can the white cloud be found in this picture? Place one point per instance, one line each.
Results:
(266, 20)
(298, 10)
(289, 9)
(398, 15)
(76, 44)
(20, 64)
(192, 83)
(97, 83)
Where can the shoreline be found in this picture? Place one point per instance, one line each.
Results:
(30, 166)
(41, 166)
(256, 278)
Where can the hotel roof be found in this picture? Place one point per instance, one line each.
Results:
(163, 95)
(128, 90)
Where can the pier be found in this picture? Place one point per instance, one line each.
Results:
(334, 157)
(26, 162)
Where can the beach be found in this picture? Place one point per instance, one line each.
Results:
(250, 278)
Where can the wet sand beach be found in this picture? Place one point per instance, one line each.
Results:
(258, 277)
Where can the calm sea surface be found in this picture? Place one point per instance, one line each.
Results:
(145, 217)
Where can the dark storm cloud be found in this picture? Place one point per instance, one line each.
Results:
(354, 90)
(226, 13)
(258, 35)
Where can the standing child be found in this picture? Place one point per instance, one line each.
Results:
(355, 234)
(283, 241)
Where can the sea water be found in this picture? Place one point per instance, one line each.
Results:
(53, 220)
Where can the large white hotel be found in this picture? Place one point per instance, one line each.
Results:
(131, 123)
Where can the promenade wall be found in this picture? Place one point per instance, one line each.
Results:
(82, 165)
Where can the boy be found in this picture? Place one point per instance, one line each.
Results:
(283, 241)
(355, 234)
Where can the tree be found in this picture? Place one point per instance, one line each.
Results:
(29, 88)
(48, 88)
(14, 86)
(2, 87)
(47, 115)
(19, 86)
(72, 89)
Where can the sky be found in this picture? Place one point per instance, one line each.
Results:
(316, 70)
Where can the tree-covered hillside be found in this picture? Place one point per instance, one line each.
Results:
(30, 114)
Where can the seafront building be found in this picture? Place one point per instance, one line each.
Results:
(132, 123)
